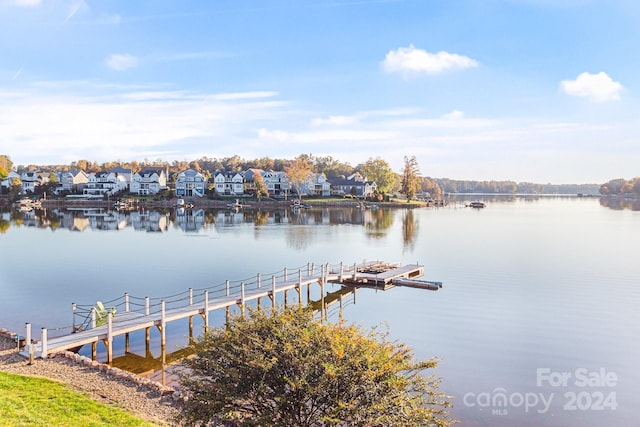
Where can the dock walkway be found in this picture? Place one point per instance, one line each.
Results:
(132, 315)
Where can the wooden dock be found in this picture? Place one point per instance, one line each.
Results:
(132, 315)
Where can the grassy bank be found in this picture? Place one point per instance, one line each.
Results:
(27, 401)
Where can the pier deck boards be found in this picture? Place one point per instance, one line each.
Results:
(122, 323)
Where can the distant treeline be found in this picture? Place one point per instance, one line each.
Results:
(511, 187)
(621, 186)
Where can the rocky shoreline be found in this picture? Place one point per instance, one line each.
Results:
(112, 386)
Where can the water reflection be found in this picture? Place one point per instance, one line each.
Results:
(620, 204)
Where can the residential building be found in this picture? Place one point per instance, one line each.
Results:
(229, 183)
(72, 181)
(6, 183)
(148, 181)
(190, 183)
(354, 185)
(32, 179)
(316, 185)
(277, 183)
(105, 183)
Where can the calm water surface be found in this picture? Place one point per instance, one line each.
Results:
(537, 323)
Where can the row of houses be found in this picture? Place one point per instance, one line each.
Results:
(190, 183)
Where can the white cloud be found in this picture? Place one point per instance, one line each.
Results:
(120, 62)
(334, 121)
(454, 115)
(599, 87)
(234, 96)
(409, 60)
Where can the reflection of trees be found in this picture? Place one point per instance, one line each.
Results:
(299, 237)
(261, 218)
(620, 204)
(409, 229)
(378, 222)
(4, 226)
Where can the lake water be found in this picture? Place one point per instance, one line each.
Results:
(537, 322)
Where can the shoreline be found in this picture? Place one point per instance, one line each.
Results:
(144, 398)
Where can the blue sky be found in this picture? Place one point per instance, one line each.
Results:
(524, 90)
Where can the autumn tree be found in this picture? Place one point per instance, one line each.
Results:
(5, 166)
(379, 171)
(260, 185)
(410, 178)
(299, 171)
(289, 369)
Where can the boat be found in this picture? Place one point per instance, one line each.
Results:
(415, 283)
(477, 205)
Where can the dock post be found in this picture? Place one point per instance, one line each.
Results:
(258, 277)
(340, 315)
(27, 342)
(190, 296)
(227, 284)
(285, 274)
(355, 271)
(146, 306)
(206, 310)
(43, 333)
(299, 287)
(109, 337)
(163, 326)
(273, 291)
(126, 302)
(73, 315)
(341, 271)
(93, 317)
(242, 301)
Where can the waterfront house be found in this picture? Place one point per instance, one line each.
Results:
(316, 185)
(229, 183)
(277, 183)
(105, 183)
(354, 185)
(148, 181)
(6, 183)
(72, 181)
(190, 183)
(32, 179)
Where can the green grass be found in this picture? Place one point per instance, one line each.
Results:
(31, 401)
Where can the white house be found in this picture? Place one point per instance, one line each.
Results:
(229, 183)
(73, 180)
(190, 183)
(31, 180)
(109, 183)
(6, 183)
(316, 185)
(148, 181)
(277, 183)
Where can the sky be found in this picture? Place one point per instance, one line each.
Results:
(540, 91)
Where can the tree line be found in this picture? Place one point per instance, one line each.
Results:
(620, 186)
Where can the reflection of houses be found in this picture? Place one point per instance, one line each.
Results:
(190, 183)
(152, 221)
(106, 183)
(72, 221)
(107, 220)
(354, 185)
(73, 181)
(148, 181)
(190, 219)
(229, 183)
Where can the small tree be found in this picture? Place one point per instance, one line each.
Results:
(261, 186)
(410, 178)
(288, 369)
(298, 172)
